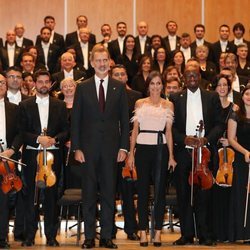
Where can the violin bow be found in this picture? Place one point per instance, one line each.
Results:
(247, 197)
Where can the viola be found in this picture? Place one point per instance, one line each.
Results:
(11, 183)
(201, 175)
(45, 176)
(128, 173)
(224, 176)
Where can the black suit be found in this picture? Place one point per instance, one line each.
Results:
(166, 44)
(13, 139)
(1, 42)
(99, 136)
(212, 113)
(80, 59)
(26, 43)
(31, 128)
(58, 40)
(72, 38)
(53, 56)
(216, 51)
(59, 76)
(114, 50)
(138, 46)
(4, 58)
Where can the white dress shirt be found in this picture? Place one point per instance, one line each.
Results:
(223, 46)
(46, 52)
(52, 37)
(142, 40)
(19, 41)
(236, 84)
(199, 42)
(172, 42)
(238, 41)
(186, 52)
(43, 108)
(3, 124)
(121, 42)
(68, 74)
(11, 54)
(85, 53)
(14, 98)
(194, 112)
(104, 84)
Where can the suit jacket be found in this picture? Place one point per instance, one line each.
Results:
(92, 130)
(114, 50)
(80, 59)
(216, 51)
(138, 46)
(1, 42)
(58, 40)
(53, 56)
(30, 121)
(59, 76)
(166, 44)
(72, 38)
(4, 58)
(212, 115)
(13, 135)
(26, 43)
(23, 97)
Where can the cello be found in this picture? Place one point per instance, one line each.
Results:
(45, 176)
(200, 175)
(11, 183)
(224, 176)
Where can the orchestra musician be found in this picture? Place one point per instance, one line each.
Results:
(11, 142)
(39, 112)
(191, 106)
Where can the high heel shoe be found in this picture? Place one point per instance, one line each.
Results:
(143, 237)
(157, 238)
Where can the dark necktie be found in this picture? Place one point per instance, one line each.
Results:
(101, 96)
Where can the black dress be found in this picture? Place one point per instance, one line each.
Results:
(239, 191)
(221, 199)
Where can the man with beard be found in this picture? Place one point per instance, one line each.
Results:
(100, 137)
(38, 113)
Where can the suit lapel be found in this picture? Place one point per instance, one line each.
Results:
(8, 119)
(204, 105)
(35, 115)
(183, 106)
(110, 94)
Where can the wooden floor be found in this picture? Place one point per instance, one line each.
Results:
(68, 242)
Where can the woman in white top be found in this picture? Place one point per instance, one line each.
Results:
(151, 151)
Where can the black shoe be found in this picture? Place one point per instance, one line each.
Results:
(88, 243)
(207, 242)
(52, 243)
(133, 236)
(247, 242)
(4, 245)
(157, 244)
(107, 244)
(183, 241)
(28, 243)
(19, 237)
(144, 244)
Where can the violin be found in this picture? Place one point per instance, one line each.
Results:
(45, 177)
(201, 176)
(224, 176)
(129, 174)
(11, 183)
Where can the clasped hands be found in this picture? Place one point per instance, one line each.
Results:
(195, 142)
(46, 141)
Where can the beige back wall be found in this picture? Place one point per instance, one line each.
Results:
(186, 13)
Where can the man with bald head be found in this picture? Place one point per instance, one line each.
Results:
(10, 55)
(142, 41)
(67, 70)
(21, 41)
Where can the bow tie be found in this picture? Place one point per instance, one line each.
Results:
(42, 101)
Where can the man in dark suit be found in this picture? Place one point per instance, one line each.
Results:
(21, 41)
(142, 41)
(48, 54)
(57, 39)
(223, 45)
(67, 70)
(100, 133)
(193, 105)
(106, 33)
(199, 31)
(38, 113)
(171, 41)
(116, 46)
(73, 38)
(185, 47)
(127, 188)
(11, 142)
(83, 51)
(10, 55)
(1, 42)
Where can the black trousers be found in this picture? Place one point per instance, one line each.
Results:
(202, 202)
(127, 189)
(4, 216)
(146, 162)
(51, 210)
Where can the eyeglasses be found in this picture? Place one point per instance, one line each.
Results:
(14, 77)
